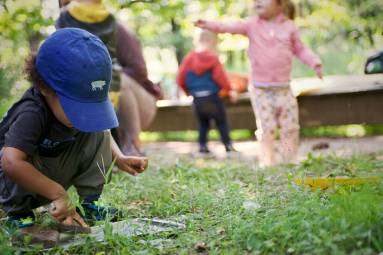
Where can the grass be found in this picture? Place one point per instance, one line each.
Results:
(234, 207)
(245, 134)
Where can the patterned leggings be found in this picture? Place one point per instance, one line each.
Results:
(276, 108)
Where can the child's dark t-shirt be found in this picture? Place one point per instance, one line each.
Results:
(30, 126)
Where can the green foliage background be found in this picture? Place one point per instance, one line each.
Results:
(342, 32)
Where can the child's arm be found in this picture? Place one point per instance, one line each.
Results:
(220, 77)
(18, 169)
(181, 76)
(236, 27)
(132, 165)
(305, 54)
(19, 143)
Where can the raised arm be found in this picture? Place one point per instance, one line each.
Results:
(305, 54)
(235, 27)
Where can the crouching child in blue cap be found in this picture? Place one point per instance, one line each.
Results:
(57, 134)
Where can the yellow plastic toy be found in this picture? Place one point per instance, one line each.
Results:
(324, 183)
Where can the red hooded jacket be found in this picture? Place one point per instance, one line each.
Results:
(199, 63)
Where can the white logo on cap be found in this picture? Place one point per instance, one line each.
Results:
(98, 85)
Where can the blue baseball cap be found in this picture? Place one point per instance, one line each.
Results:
(77, 66)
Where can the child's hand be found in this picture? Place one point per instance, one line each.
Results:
(132, 165)
(233, 96)
(318, 71)
(200, 23)
(74, 219)
(62, 212)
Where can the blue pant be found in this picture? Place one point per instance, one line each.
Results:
(211, 108)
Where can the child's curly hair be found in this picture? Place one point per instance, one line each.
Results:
(288, 8)
(33, 75)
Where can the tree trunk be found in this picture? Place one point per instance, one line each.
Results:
(178, 45)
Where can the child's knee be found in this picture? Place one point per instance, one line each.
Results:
(292, 134)
(267, 135)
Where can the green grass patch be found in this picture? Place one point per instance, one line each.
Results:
(356, 130)
(234, 207)
(192, 135)
(244, 134)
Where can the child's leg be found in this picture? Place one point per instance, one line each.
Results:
(203, 121)
(267, 147)
(203, 130)
(146, 104)
(95, 163)
(290, 145)
(289, 125)
(262, 101)
(220, 119)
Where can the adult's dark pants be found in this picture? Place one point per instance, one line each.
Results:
(209, 108)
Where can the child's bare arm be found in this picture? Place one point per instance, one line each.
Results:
(130, 164)
(16, 167)
(305, 54)
(235, 27)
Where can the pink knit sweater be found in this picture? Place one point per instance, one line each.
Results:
(272, 46)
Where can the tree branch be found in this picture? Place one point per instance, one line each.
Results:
(127, 4)
(4, 4)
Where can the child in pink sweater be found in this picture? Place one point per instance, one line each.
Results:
(273, 41)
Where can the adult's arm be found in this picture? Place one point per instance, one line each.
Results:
(131, 59)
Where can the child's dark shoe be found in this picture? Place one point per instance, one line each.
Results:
(24, 220)
(230, 148)
(204, 149)
(94, 211)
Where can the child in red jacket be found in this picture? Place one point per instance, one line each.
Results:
(202, 76)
